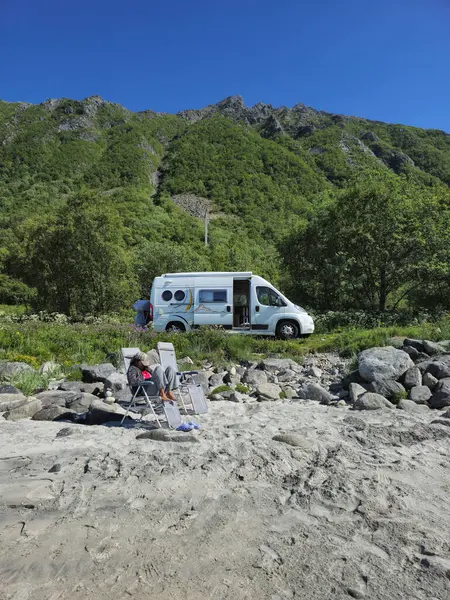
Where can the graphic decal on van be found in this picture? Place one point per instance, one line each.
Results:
(191, 300)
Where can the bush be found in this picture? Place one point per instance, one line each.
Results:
(242, 389)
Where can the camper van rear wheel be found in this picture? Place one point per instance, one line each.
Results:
(175, 327)
(287, 330)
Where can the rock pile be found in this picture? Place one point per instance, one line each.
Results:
(413, 376)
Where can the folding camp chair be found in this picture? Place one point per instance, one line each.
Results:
(145, 391)
(188, 384)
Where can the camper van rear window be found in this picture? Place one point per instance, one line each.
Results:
(179, 295)
(206, 296)
(166, 295)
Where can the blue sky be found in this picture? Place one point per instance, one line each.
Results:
(380, 59)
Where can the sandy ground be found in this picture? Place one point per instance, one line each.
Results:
(360, 507)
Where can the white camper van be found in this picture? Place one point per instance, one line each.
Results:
(241, 302)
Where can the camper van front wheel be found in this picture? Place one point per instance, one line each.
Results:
(175, 327)
(287, 330)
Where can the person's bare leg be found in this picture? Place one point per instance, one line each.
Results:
(163, 396)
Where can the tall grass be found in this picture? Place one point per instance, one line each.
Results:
(78, 343)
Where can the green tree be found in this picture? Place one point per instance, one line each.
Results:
(373, 245)
(77, 260)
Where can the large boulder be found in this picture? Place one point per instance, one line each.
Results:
(99, 412)
(439, 367)
(392, 390)
(30, 408)
(371, 401)
(11, 401)
(412, 378)
(94, 373)
(274, 365)
(383, 363)
(80, 386)
(81, 402)
(441, 395)
(420, 394)
(355, 391)
(314, 391)
(8, 368)
(254, 377)
(202, 379)
(216, 379)
(410, 406)
(432, 348)
(417, 344)
(118, 384)
(268, 391)
(53, 412)
(56, 398)
(430, 381)
(154, 358)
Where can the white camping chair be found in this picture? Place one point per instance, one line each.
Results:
(146, 391)
(188, 385)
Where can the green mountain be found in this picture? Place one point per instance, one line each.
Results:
(261, 172)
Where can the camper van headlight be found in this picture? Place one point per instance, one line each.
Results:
(299, 308)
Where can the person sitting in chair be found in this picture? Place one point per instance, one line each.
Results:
(164, 380)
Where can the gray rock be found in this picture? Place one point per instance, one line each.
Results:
(314, 391)
(236, 397)
(274, 365)
(12, 401)
(439, 367)
(417, 344)
(80, 386)
(412, 378)
(8, 368)
(202, 378)
(50, 367)
(430, 381)
(287, 375)
(268, 391)
(31, 407)
(216, 398)
(185, 361)
(94, 373)
(412, 352)
(392, 390)
(441, 395)
(166, 435)
(314, 372)
(411, 406)
(9, 389)
(118, 384)
(420, 394)
(254, 377)
(383, 363)
(352, 377)
(355, 391)
(371, 401)
(53, 412)
(446, 415)
(432, 348)
(99, 412)
(240, 371)
(82, 402)
(56, 397)
(289, 393)
(216, 380)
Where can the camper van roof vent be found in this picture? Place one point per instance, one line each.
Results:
(210, 274)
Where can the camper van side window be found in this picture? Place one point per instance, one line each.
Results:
(166, 295)
(207, 296)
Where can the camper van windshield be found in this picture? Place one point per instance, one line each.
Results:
(268, 297)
